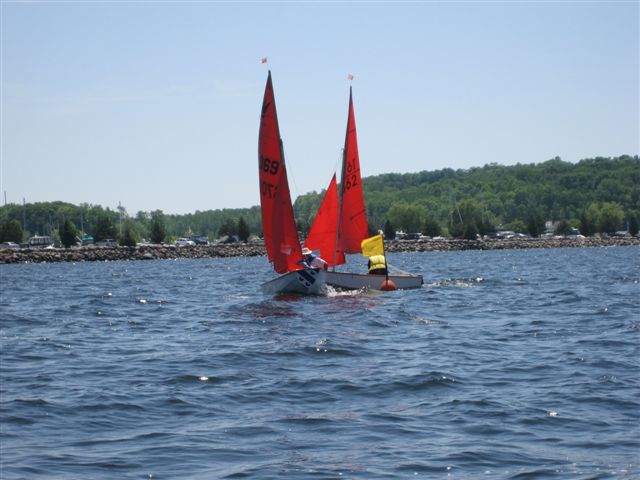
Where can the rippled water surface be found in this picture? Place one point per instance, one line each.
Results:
(507, 364)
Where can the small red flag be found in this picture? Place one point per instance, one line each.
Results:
(263, 60)
(349, 77)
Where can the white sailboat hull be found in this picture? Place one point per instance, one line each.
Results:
(354, 281)
(307, 281)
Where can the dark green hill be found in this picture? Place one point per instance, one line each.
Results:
(554, 190)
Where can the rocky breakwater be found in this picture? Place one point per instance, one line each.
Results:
(512, 243)
(141, 252)
(157, 252)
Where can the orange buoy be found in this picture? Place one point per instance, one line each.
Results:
(388, 285)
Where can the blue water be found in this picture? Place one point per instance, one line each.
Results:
(507, 364)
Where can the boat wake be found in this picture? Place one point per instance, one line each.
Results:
(457, 282)
(334, 292)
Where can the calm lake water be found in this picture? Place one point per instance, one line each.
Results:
(507, 364)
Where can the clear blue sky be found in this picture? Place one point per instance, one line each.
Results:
(156, 104)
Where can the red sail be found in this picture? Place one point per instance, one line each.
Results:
(353, 216)
(278, 224)
(322, 235)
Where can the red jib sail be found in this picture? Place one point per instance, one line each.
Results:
(353, 227)
(322, 235)
(278, 224)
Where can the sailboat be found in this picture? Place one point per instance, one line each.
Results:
(341, 223)
(278, 223)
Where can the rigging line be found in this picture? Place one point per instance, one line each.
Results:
(332, 172)
(294, 191)
(396, 270)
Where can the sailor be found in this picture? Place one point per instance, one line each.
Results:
(377, 265)
(309, 260)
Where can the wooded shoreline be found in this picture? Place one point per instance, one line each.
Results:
(158, 252)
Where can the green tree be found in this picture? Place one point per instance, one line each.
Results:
(68, 234)
(389, 231)
(467, 220)
(456, 229)
(471, 211)
(585, 228)
(408, 217)
(104, 227)
(563, 228)
(128, 237)
(243, 229)
(11, 231)
(228, 228)
(516, 226)
(157, 229)
(301, 224)
(485, 227)
(610, 218)
(431, 227)
(589, 220)
(633, 224)
(470, 231)
(535, 225)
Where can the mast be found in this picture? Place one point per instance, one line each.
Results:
(337, 240)
(342, 178)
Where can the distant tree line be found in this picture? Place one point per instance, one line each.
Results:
(68, 223)
(599, 195)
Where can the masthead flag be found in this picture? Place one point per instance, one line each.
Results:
(263, 60)
(372, 246)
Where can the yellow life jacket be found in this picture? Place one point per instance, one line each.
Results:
(377, 261)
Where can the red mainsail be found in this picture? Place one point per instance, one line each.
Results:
(322, 235)
(278, 224)
(341, 222)
(353, 226)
